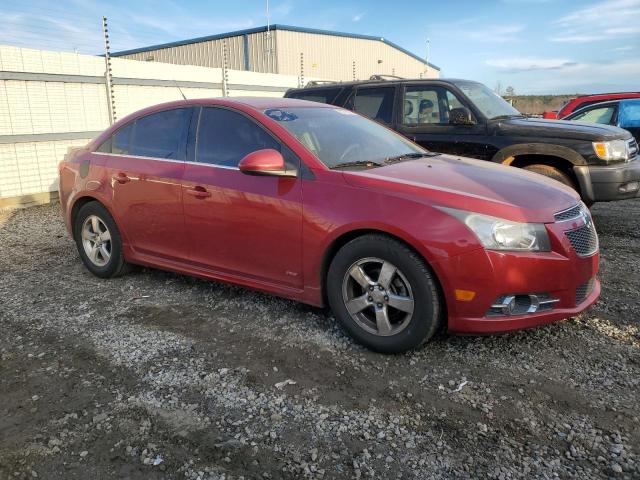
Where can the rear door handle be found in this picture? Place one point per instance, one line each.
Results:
(198, 192)
(121, 178)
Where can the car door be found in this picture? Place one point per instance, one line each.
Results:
(239, 224)
(146, 164)
(629, 117)
(424, 118)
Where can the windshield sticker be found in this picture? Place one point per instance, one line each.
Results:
(280, 115)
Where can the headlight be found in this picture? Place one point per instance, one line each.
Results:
(612, 150)
(499, 234)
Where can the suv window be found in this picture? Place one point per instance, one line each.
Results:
(320, 95)
(596, 115)
(226, 137)
(161, 135)
(428, 105)
(375, 103)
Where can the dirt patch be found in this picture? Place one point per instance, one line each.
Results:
(157, 375)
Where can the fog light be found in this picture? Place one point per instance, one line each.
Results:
(521, 304)
(629, 187)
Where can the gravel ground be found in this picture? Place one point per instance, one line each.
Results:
(157, 375)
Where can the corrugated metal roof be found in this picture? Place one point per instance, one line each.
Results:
(276, 26)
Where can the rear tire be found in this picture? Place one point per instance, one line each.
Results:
(383, 294)
(552, 172)
(98, 241)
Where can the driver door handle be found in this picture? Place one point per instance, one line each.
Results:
(198, 192)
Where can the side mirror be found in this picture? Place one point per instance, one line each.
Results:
(460, 116)
(265, 162)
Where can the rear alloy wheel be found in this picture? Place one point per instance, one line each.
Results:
(384, 294)
(98, 241)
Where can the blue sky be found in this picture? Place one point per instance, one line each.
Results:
(536, 46)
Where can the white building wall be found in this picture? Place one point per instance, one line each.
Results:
(46, 96)
(332, 57)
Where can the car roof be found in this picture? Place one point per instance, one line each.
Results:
(591, 106)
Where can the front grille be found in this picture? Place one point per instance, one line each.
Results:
(584, 240)
(633, 148)
(584, 290)
(569, 213)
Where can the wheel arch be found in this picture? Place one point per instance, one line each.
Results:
(345, 237)
(556, 156)
(81, 201)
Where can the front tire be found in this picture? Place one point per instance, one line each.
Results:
(98, 241)
(384, 294)
(552, 172)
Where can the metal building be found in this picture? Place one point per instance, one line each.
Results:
(290, 50)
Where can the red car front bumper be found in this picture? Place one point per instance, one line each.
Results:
(492, 274)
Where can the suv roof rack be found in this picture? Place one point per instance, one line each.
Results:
(315, 83)
(385, 77)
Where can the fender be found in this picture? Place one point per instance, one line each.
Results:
(507, 154)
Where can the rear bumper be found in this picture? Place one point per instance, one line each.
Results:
(560, 274)
(609, 183)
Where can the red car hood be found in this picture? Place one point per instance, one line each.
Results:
(472, 185)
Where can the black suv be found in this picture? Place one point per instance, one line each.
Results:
(465, 118)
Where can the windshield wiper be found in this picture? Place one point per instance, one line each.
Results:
(406, 156)
(358, 163)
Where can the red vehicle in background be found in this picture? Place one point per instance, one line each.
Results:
(586, 100)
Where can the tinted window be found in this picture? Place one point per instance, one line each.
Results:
(225, 137)
(375, 103)
(161, 135)
(428, 105)
(321, 96)
(118, 142)
(596, 115)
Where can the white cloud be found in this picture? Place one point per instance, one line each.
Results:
(605, 20)
(357, 17)
(524, 64)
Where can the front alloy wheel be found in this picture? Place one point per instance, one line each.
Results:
(383, 306)
(384, 294)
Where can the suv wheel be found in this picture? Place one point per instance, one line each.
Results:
(552, 172)
(98, 241)
(384, 294)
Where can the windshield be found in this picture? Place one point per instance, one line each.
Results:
(488, 102)
(336, 136)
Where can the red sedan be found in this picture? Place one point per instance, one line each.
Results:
(317, 204)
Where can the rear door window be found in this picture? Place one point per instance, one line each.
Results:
(161, 135)
(375, 103)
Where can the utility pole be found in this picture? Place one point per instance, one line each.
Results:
(225, 72)
(426, 70)
(111, 102)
